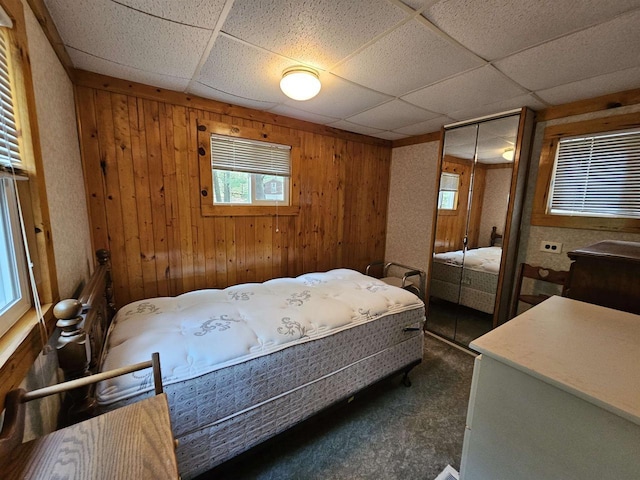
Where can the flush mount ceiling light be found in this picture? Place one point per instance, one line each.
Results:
(300, 83)
(508, 154)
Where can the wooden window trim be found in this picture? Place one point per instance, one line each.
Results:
(22, 343)
(551, 138)
(205, 128)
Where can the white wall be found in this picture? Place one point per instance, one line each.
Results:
(55, 109)
(412, 197)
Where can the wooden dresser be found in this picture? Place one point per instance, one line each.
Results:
(608, 274)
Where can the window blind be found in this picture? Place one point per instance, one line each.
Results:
(449, 182)
(597, 175)
(242, 155)
(9, 149)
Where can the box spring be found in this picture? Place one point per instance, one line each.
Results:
(225, 412)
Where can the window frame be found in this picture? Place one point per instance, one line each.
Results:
(20, 306)
(456, 200)
(207, 127)
(552, 136)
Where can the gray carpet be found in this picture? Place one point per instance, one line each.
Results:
(388, 432)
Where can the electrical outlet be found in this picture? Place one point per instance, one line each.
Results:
(550, 247)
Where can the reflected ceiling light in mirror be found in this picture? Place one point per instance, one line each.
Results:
(300, 83)
(508, 154)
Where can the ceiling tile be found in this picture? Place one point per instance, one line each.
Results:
(339, 98)
(119, 34)
(197, 13)
(425, 127)
(416, 4)
(390, 135)
(471, 89)
(317, 32)
(392, 115)
(288, 111)
(602, 49)
(498, 107)
(352, 127)
(239, 69)
(592, 87)
(205, 91)
(94, 64)
(408, 58)
(496, 28)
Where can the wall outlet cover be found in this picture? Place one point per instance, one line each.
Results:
(550, 247)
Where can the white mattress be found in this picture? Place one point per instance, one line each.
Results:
(203, 331)
(485, 259)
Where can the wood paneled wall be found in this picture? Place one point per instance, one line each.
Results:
(142, 177)
(452, 225)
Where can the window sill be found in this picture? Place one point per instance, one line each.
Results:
(20, 346)
(630, 225)
(249, 210)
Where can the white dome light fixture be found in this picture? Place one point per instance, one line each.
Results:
(300, 83)
(508, 154)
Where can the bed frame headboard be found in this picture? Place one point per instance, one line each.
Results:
(496, 238)
(84, 323)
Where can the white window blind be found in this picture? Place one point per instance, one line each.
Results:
(598, 175)
(9, 150)
(241, 155)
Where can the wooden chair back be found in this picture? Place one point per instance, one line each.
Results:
(541, 274)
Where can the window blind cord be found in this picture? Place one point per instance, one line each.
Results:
(46, 348)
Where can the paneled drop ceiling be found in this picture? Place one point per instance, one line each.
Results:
(389, 68)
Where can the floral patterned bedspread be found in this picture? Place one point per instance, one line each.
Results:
(205, 330)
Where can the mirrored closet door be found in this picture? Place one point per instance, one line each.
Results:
(482, 176)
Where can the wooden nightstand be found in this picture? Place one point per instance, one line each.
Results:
(133, 442)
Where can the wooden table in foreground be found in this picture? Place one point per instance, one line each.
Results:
(133, 442)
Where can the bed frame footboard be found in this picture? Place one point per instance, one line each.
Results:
(84, 323)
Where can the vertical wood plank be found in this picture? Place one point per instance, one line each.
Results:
(95, 183)
(174, 272)
(113, 207)
(142, 196)
(150, 116)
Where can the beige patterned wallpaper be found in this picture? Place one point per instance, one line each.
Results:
(412, 199)
(61, 158)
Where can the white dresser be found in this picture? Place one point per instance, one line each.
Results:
(556, 395)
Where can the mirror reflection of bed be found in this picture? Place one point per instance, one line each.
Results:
(476, 206)
(463, 291)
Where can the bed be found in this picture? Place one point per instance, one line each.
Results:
(241, 365)
(468, 277)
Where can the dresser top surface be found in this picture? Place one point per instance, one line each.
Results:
(611, 249)
(590, 351)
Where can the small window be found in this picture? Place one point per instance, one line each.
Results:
(448, 194)
(597, 175)
(14, 293)
(249, 172)
(589, 175)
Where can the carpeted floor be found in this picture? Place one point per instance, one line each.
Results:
(389, 432)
